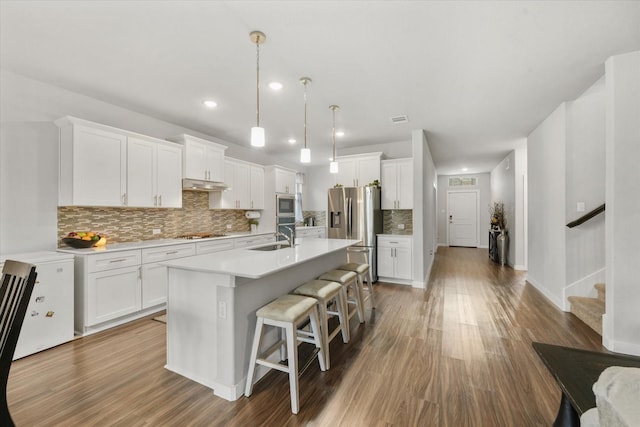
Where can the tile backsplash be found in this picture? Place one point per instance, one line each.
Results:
(135, 224)
(320, 217)
(392, 219)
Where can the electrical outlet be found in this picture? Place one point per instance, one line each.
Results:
(229, 227)
(156, 231)
(581, 207)
(400, 226)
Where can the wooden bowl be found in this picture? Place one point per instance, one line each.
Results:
(79, 243)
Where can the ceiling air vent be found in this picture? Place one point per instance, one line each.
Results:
(399, 119)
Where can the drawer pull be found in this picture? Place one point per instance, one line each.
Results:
(171, 253)
(117, 260)
(395, 243)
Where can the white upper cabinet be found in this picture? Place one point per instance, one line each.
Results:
(105, 166)
(246, 182)
(358, 170)
(168, 176)
(397, 184)
(203, 160)
(257, 188)
(154, 174)
(285, 180)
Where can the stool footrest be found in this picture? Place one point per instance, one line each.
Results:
(273, 365)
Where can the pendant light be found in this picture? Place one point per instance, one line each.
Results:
(257, 132)
(333, 166)
(305, 153)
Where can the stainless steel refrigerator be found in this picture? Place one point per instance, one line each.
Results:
(354, 213)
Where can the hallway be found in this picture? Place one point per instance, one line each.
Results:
(457, 354)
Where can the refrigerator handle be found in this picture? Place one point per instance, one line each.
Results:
(349, 213)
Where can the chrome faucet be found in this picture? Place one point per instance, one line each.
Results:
(287, 238)
(292, 240)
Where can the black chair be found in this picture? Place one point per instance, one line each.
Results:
(18, 279)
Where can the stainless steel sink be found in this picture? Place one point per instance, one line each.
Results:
(273, 247)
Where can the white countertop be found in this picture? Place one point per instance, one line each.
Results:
(256, 264)
(395, 235)
(115, 247)
(36, 257)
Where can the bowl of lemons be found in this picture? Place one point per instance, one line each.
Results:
(84, 239)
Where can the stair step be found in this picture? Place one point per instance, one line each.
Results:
(589, 310)
(602, 291)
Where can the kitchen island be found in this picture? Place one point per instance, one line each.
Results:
(212, 300)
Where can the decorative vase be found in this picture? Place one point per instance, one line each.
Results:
(503, 246)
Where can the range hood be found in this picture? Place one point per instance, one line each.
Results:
(201, 185)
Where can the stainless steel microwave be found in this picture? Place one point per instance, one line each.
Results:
(285, 205)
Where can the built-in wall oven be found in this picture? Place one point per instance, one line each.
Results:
(285, 215)
(285, 205)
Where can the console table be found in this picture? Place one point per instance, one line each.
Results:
(576, 371)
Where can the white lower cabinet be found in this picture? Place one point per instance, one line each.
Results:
(394, 258)
(255, 240)
(311, 232)
(154, 274)
(49, 318)
(211, 246)
(112, 294)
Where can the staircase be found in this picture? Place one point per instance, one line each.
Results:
(590, 310)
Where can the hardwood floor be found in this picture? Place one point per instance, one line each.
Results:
(456, 354)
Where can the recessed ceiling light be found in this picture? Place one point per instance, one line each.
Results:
(275, 85)
(292, 141)
(339, 133)
(465, 169)
(210, 104)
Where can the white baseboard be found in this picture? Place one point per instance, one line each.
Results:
(545, 292)
(519, 267)
(583, 287)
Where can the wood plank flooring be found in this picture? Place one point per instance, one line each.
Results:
(456, 354)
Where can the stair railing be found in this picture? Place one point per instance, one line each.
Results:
(586, 217)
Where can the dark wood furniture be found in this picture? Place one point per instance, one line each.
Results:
(493, 245)
(576, 371)
(17, 283)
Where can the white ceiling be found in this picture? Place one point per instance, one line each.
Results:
(477, 76)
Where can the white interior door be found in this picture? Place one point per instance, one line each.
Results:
(462, 214)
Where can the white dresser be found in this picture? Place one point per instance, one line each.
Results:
(49, 318)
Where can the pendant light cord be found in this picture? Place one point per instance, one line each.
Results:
(258, 81)
(305, 114)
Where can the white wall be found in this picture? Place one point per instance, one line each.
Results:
(508, 185)
(503, 190)
(29, 159)
(424, 209)
(585, 182)
(546, 215)
(621, 326)
(484, 188)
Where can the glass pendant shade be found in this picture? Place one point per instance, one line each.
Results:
(333, 167)
(305, 155)
(257, 136)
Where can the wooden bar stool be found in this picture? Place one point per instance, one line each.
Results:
(362, 270)
(286, 312)
(348, 280)
(325, 293)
